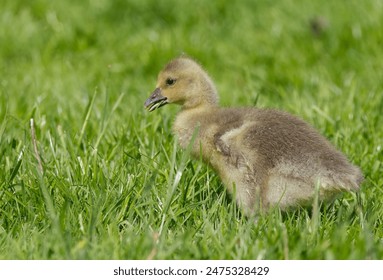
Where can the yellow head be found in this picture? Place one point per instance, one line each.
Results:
(183, 82)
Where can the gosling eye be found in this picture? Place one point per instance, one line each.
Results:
(170, 81)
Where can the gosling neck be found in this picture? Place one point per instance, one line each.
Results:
(204, 97)
(200, 106)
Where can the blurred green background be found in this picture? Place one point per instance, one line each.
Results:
(83, 69)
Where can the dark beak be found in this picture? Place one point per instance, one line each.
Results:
(156, 100)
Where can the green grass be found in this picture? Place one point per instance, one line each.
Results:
(109, 187)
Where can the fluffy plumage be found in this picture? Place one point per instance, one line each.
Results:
(272, 158)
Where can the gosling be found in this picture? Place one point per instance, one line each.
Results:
(267, 158)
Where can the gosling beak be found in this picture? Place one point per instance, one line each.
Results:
(155, 100)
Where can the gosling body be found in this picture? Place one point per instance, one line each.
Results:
(266, 157)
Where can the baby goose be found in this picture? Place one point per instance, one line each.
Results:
(271, 158)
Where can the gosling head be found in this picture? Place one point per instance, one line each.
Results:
(183, 81)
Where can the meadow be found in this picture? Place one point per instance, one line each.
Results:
(87, 173)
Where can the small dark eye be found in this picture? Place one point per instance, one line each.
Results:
(170, 81)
